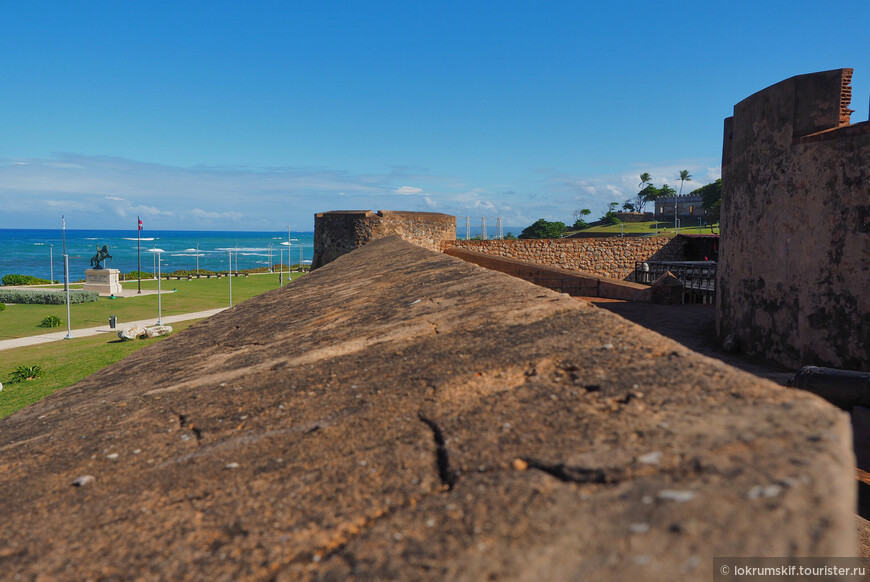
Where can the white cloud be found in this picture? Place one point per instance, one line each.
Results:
(408, 190)
(94, 191)
(152, 211)
(199, 213)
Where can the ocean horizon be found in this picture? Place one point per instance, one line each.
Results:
(39, 252)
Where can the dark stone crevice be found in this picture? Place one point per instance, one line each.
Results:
(570, 474)
(183, 422)
(614, 475)
(445, 473)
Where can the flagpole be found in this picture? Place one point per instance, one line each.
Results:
(66, 277)
(139, 252)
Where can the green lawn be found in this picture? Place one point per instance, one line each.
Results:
(63, 363)
(195, 295)
(649, 228)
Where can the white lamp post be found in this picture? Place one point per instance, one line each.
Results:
(157, 252)
(66, 278)
(230, 276)
(289, 260)
(51, 261)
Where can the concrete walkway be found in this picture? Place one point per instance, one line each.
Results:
(89, 331)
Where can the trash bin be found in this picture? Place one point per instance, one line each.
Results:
(113, 320)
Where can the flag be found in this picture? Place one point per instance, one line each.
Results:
(140, 223)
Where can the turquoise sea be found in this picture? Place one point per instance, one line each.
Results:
(40, 252)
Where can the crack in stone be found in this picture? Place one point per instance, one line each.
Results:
(183, 423)
(445, 473)
(609, 476)
(570, 474)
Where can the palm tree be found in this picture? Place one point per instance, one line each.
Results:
(685, 176)
(645, 179)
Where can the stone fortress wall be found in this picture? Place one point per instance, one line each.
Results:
(793, 285)
(689, 208)
(341, 231)
(612, 257)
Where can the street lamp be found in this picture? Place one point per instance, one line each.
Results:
(289, 260)
(66, 277)
(157, 252)
(51, 262)
(230, 274)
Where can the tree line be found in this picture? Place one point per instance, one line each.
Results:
(711, 195)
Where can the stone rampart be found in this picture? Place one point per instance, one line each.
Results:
(341, 231)
(573, 283)
(419, 418)
(612, 257)
(795, 244)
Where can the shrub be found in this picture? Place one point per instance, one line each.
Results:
(2, 307)
(51, 321)
(543, 229)
(610, 216)
(134, 275)
(186, 272)
(23, 280)
(22, 373)
(45, 297)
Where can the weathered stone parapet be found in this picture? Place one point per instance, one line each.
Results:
(401, 414)
(795, 246)
(341, 231)
(612, 257)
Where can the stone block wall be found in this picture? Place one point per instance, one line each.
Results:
(690, 207)
(562, 280)
(795, 245)
(612, 257)
(341, 231)
(635, 216)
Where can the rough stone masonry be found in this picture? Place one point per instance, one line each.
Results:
(402, 414)
(795, 246)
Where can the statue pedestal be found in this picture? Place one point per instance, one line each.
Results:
(103, 281)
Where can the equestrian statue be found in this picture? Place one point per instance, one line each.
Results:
(102, 255)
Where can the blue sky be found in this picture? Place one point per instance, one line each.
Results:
(256, 115)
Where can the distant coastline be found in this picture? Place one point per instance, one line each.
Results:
(38, 252)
